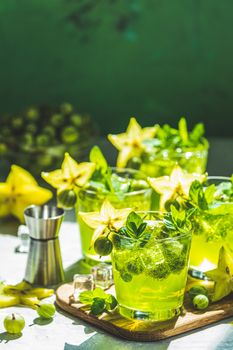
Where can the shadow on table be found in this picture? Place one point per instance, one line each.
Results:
(88, 329)
(6, 337)
(191, 339)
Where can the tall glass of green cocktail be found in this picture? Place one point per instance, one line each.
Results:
(150, 263)
(131, 191)
(212, 224)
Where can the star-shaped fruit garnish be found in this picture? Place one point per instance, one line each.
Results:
(130, 143)
(22, 294)
(71, 176)
(222, 275)
(178, 183)
(106, 220)
(19, 191)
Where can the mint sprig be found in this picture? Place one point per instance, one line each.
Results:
(98, 300)
(103, 172)
(135, 226)
(201, 197)
(171, 138)
(177, 221)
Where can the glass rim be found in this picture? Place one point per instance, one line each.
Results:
(126, 170)
(218, 177)
(183, 235)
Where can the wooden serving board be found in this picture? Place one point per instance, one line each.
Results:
(137, 330)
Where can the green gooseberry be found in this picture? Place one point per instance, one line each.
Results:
(42, 140)
(66, 108)
(67, 198)
(103, 246)
(3, 148)
(76, 120)
(196, 290)
(69, 134)
(57, 120)
(46, 310)
(14, 323)
(200, 302)
(32, 114)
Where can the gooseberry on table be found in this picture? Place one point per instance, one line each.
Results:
(46, 310)
(14, 323)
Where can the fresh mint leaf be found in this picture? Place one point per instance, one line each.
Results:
(194, 190)
(135, 225)
(99, 293)
(108, 180)
(202, 202)
(132, 227)
(183, 130)
(176, 221)
(142, 227)
(111, 302)
(98, 300)
(97, 157)
(123, 231)
(86, 297)
(197, 133)
(133, 222)
(98, 306)
(209, 193)
(197, 195)
(171, 139)
(178, 216)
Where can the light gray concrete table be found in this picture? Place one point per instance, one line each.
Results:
(68, 333)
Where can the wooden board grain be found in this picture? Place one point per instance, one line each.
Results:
(119, 326)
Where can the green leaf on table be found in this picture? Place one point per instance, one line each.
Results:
(99, 293)
(98, 306)
(98, 300)
(111, 302)
(86, 297)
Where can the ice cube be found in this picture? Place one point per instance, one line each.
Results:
(23, 236)
(82, 282)
(102, 274)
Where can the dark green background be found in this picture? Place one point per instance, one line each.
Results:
(154, 59)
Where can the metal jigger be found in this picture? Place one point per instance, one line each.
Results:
(44, 264)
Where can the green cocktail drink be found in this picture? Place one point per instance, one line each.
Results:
(156, 150)
(150, 272)
(132, 191)
(159, 163)
(213, 227)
